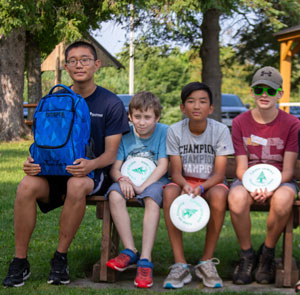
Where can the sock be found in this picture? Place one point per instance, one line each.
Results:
(248, 253)
(268, 251)
(22, 260)
(63, 255)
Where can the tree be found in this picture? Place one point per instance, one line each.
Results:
(256, 42)
(44, 23)
(12, 85)
(196, 23)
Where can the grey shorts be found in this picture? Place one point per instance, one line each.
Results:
(153, 191)
(292, 184)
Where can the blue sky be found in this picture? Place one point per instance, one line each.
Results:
(111, 36)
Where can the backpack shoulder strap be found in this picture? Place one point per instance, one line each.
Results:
(63, 86)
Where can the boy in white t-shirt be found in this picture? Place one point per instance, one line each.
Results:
(198, 149)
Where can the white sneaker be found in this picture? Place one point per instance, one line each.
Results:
(207, 272)
(179, 275)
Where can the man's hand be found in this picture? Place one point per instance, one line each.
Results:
(197, 191)
(81, 167)
(260, 196)
(127, 188)
(30, 168)
(187, 189)
(138, 189)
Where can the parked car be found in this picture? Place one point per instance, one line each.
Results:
(295, 110)
(126, 100)
(231, 106)
(25, 110)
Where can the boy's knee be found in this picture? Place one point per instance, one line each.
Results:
(79, 187)
(150, 203)
(115, 197)
(31, 187)
(282, 204)
(217, 196)
(238, 200)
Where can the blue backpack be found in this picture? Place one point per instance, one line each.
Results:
(61, 130)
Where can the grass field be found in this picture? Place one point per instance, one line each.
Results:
(84, 251)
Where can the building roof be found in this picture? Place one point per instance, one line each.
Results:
(288, 30)
(56, 59)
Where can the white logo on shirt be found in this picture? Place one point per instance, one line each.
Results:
(96, 115)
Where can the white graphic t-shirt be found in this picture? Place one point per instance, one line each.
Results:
(198, 152)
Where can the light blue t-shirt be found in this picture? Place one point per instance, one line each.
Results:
(152, 148)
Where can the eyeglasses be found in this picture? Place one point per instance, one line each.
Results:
(85, 61)
(259, 90)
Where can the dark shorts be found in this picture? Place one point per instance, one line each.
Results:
(153, 191)
(58, 191)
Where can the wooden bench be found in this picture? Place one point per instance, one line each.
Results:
(286, 268)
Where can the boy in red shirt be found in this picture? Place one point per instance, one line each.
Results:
(267, 135)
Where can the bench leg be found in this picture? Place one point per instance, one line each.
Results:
(109, 245)
(105, 243)
(287, 272)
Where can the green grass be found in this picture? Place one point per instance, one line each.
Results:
(84, 251)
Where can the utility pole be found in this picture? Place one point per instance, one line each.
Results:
(131, 52)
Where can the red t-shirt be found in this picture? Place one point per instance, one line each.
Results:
(265, 143)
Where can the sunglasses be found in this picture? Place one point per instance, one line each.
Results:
(259, 90)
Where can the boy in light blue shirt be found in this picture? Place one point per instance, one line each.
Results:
(146, 139)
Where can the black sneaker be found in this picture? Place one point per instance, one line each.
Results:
(265, 273)
(243, 273)
(59, 273)
(18, 272)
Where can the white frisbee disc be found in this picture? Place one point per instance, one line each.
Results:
(261, 176)
(138, 169)
(189, 214)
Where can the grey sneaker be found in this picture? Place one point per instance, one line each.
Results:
(207, 272)
(178, 276)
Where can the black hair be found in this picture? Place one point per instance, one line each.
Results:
(85, 44)
(194, 86)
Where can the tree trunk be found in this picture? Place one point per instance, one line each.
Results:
(12, 48)
(210, 56)
(34, 75)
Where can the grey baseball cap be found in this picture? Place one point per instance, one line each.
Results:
(267, 76)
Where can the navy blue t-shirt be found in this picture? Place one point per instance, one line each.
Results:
(108, 117)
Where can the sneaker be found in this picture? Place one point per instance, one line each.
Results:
(265, 273)
(18, 272)
(143, 277)
(179, 275)
(207, 272)
(243, 273)
(126, 259)
(59, 273)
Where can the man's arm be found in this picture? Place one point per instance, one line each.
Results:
(241, 165)
(176, 174)
(218, 176)
(81, 167)
(125, 183)
(288, 168)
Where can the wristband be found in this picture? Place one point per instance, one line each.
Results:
(120, 178)
(202, 189)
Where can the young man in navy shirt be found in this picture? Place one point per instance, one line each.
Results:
(109, 121)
